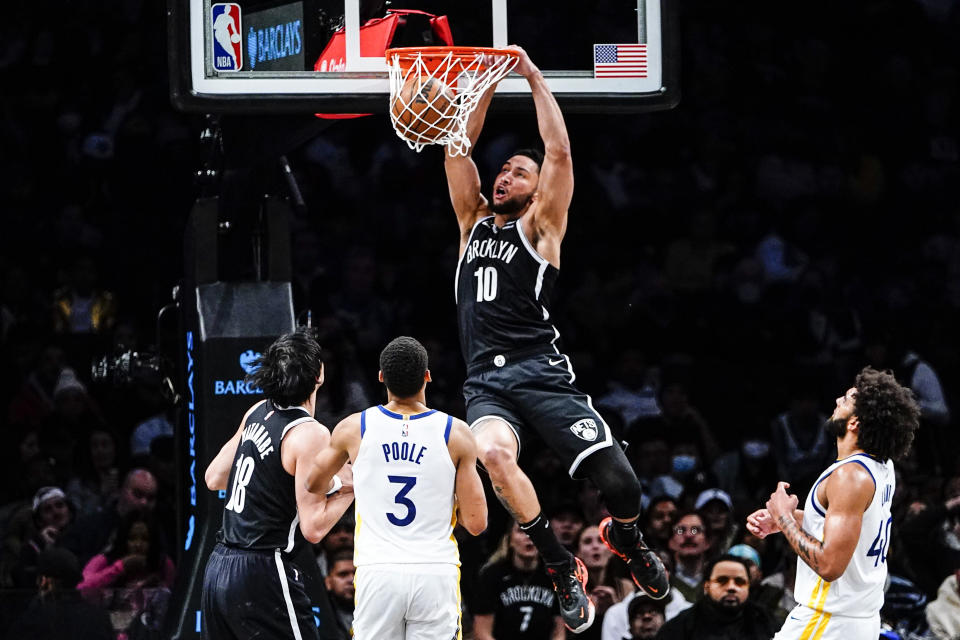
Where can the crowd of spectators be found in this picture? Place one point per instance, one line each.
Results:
(729, 265)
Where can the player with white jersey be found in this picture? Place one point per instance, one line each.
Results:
(842, 535)
(415, 477)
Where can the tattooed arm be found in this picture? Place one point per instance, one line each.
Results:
(846, 494)
(761, 524)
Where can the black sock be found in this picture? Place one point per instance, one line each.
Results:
(545, 540)
(624, 535)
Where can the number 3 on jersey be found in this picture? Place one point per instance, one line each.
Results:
(401, 498)
(240, 481)
(486, 283)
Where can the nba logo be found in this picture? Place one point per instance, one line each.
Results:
(227, 52)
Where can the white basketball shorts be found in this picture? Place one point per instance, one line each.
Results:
(407, 602)
(804, 623)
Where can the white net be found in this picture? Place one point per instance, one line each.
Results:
(434, 90)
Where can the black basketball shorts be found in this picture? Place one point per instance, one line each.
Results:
(536, 395)
(254, 594)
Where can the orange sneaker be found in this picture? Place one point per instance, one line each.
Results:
(646, 569)
(570, 583)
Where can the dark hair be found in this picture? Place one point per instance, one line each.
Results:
(641, 599)
(654, 501)
(534, 154)
(708, 568)
(887, 413)
(403, 363)
(566, 508)
(84, 460)
(683, 513)
(287, 371)
(339, 556)
(61, 565)
(119, 546)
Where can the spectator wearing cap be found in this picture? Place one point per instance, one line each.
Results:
(725, 611)
(57, 612)
(689, 544)
(751, 557)
(646, 616)
(716, 509)
(51, 515)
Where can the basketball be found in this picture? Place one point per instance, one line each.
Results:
(424, 109)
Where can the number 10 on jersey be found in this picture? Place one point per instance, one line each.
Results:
(486, 283)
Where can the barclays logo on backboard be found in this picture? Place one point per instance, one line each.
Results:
(248, 362)
(274, 38)
(227, 48)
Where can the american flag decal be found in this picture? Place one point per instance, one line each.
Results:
(620, 61)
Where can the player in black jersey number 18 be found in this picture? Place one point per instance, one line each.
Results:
(518, 381)
(251, 588)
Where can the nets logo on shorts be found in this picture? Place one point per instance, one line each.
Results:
(585, 429)
(227, 50)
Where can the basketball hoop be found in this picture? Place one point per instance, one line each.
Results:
(433, 91)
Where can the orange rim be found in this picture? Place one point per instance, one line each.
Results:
(433, 56)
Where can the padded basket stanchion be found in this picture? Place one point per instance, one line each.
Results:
(466, 71)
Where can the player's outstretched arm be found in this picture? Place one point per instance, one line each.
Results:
(463, 182)
(849, 491)
(218, 471)
(299, 449)
(329, 460)
(555, 189)
(471, 502)
(463, 179)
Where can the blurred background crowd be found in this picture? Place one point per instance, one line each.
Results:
(728, 267)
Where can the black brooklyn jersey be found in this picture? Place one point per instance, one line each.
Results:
(503, 291)
(522, 603)
(261, 502)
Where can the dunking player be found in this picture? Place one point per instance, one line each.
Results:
(842, 535)
(518, 381)
(250, 588)
(415, 476)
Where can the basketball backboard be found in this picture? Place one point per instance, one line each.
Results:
(259, 56)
